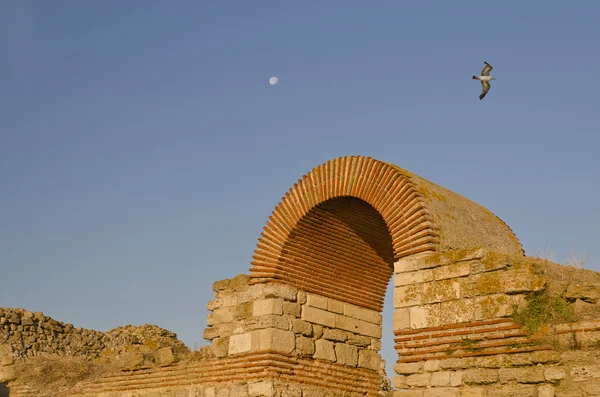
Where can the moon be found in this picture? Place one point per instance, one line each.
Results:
(273, 80)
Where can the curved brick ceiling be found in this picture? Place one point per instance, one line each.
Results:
(339, 229)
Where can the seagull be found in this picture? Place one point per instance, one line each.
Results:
(485, 79)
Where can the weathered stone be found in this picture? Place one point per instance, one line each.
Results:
(302, 327)
(408, 368)
(585, 372)
(240, 343)
(318, 316)
(268, 321)
(587, 293)
(223, 315)
(497, 305)
(416, 277)
(263, 307)
(440, 379)
(408, 295)
(441, 291)
(442, 392)
(261, 389)
(277, 340)
(346, 354)
(456, 378)
(401, 319)
(425, 316)
(324, 350)
(165, 356)
(521, 375)
(301, 297)
(317, 331)
(454, 270)
(480, 376)
(220, 346)
(552, 374)
(336, 306)
(360, 313)
(278, 290)
(243, 311)
(431, 365)
(292, 308)
(369, 359)
(512, 390)
(305, 346)
(335, 335)
(457, 311)
(419, 380)
(472, 392)
(408, 393)
(546, 391)
(318, 301)
(409, 263)
(359, 340)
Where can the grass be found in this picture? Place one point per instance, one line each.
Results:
(543, 308)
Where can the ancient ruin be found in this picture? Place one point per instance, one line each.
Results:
(473, 316)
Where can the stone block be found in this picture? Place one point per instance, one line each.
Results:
(318, 301)
(223, 315)
(408, 368)
(335, 306)
(305, 346)
(261, 389)
(585, 372)
(440, 379)
(455, 378)
(416, 277)
(511, 281)
(301, 297)
(521, 375)
(335, 335)
(512, 390)
(347, 323)
(425, 316)
(553, 374)
(496, 305)
(276, 339)
(419, 380)
(480, 376)
(546, 391)
(292, 308)
(220, 346)
(240, 343)
(460, 269)
(243, 311)
(441, 291)
(369, 359)
(359, 340)
(263, 307)
(302, 327)
(268, 321)
(431, 365)
(346, 354)
(165, 356)
(318, 316)
(399, 382)
(369, 329)
(360, 313)
(7, 373)
(442, 392)
(324, 350)
(408, 393)
(401, 319)
(457, 311)
(317, 331)
(409, 263)
(472, 392)
(279, 290)
(408, 295)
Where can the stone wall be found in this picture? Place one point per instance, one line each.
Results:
(455, 333)
(29, 334)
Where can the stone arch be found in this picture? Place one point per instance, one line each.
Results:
(419, 217)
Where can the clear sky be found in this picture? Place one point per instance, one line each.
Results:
(142, 147)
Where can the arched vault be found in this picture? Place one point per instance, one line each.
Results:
(339, 229)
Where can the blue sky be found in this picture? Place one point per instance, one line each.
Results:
(142, 148)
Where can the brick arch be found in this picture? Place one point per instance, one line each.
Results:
(327, 225)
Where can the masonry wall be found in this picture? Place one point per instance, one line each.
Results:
(455, 334)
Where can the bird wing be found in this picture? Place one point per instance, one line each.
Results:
(486, 88)
(486, 69)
